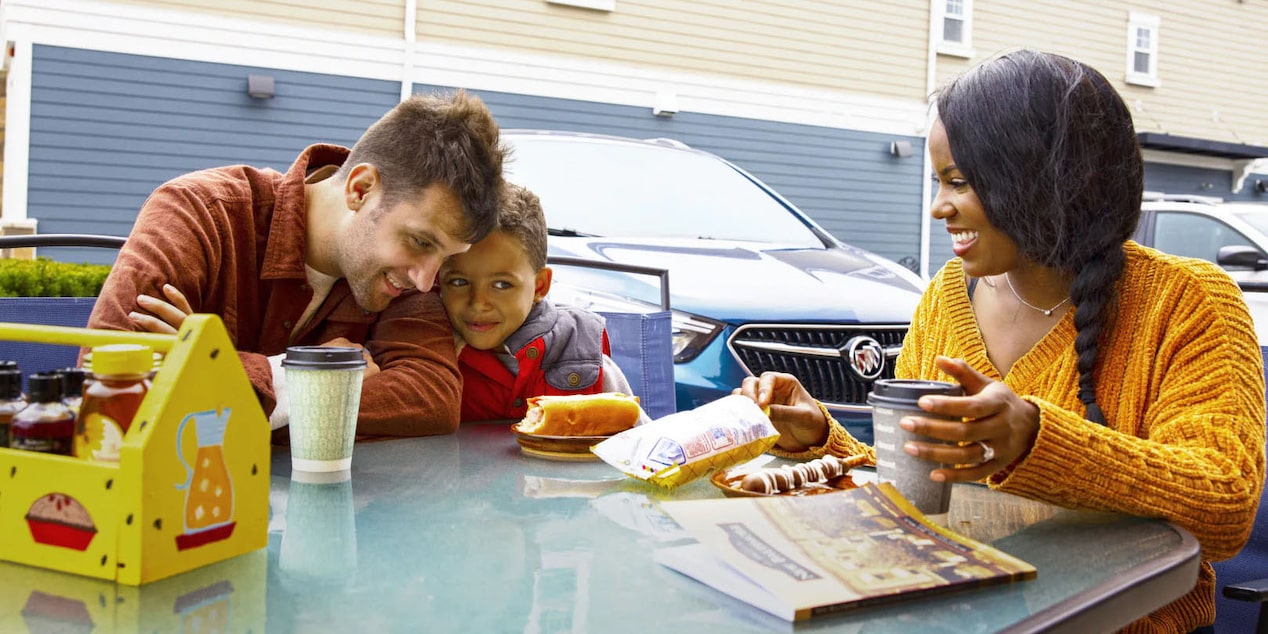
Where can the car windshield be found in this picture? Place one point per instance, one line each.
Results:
(610, 189)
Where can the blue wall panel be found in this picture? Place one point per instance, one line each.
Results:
(1180, 179)
(107, 128)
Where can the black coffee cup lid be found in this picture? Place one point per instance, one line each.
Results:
(323, 358)
(911, 389)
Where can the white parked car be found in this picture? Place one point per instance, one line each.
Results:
(1231, 234)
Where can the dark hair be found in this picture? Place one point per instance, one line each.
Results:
(520, 216)
(449, 139)
(1049, 148)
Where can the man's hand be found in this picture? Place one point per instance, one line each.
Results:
(371, 368)
(165, 317)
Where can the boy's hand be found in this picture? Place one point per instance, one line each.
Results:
(167, 316)
(371, 368)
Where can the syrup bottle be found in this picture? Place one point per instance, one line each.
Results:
(120, 380)
(73, 387)
(46, 425)
(11, 400)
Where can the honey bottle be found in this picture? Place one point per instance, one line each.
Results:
(46, 425)
(11, 400)
(120, 381)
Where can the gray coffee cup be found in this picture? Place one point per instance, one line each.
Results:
(323, 385)
(891, 400)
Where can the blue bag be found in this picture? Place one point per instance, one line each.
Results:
(642, 347)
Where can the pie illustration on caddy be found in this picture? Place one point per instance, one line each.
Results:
(57, 519)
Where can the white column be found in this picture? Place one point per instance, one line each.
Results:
(17, 137)
(407, 65)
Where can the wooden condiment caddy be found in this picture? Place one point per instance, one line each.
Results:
(191, 486)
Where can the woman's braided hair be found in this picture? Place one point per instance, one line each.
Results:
(1050, 150)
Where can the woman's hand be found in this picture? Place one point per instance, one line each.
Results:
(165, 317)
(994, 415)
(794, 413)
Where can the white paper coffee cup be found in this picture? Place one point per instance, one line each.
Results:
(323, 385)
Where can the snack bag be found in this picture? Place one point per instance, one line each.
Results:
(681, 447)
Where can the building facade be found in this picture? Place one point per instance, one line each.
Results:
(826, 102)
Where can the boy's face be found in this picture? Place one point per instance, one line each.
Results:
(489, 290)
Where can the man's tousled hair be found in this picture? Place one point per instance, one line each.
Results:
(428, 139)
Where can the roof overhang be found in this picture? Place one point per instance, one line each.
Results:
(1204, 147)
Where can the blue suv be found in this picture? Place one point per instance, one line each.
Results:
(755, 284)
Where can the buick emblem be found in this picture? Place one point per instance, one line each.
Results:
(865, 356)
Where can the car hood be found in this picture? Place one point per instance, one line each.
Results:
(748, 282)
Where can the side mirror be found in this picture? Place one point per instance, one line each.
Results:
(1241, 257)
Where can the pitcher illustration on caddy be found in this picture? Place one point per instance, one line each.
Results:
(208, 488)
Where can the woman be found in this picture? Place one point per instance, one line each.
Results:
(1099, 374)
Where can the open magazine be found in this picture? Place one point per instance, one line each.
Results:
(804, 556)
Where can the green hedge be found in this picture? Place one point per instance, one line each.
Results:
(46, 278)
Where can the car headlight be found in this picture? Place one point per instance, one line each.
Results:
(690, 333)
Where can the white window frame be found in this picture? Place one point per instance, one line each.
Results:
(1142, 22)
(964, 47)
(597, 5)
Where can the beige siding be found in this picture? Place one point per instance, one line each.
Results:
(1210, 58)
(372, 17)
(872, 47)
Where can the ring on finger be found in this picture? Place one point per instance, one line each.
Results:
(988, 453)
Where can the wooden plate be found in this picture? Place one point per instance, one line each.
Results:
(728, 480)
(566, 448)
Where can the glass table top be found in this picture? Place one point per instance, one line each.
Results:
(464, 533)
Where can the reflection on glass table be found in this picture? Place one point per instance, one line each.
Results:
(466, 533)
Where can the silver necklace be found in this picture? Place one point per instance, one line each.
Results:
(1047, 312)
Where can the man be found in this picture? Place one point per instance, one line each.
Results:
(342, 249)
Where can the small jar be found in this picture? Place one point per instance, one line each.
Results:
(46, 425)
(120, 380)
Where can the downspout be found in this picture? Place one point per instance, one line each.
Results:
(407, 64)
(926, 187)
(17, 138)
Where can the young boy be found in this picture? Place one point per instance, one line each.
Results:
(512, 342)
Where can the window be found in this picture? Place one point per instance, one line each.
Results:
(1142, 49)
(955, 17)
(597, 5)
(1194, 236)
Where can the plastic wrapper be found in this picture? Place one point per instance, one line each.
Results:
(681, 447)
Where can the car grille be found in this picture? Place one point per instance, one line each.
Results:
(813, 354)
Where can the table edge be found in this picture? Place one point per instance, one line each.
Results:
(1079, 613)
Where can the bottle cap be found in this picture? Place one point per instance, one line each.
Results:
(10, 384)
(45, 387)
(122, 358)
(73, 381)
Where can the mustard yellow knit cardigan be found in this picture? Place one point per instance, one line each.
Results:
(1180, 380)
